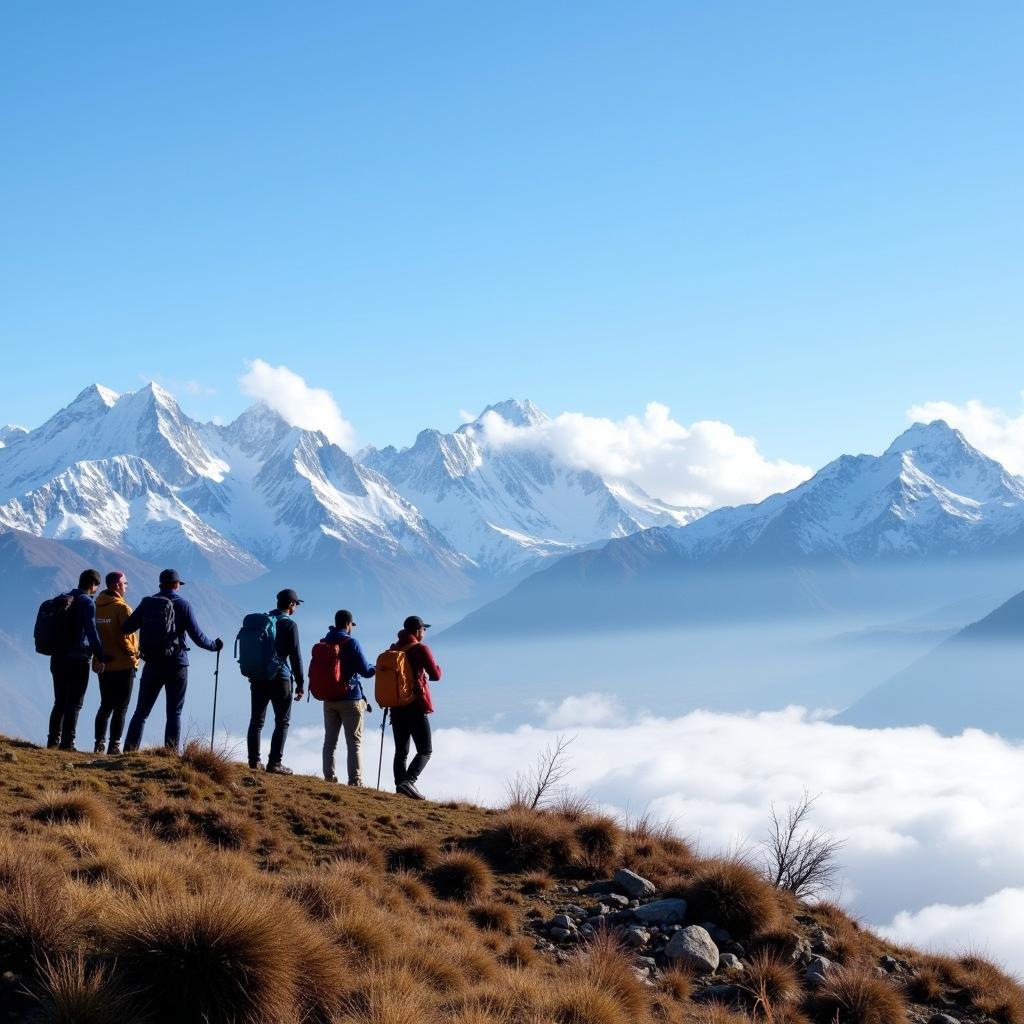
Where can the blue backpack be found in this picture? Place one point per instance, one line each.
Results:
(256, 646)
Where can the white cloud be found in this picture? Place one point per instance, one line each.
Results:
(301, 405)
(706, 464)
(934, 826)
(998, 434)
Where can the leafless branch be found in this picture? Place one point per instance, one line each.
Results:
(797, 857)
(529, 788)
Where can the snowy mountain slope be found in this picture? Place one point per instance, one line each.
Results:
(11, 433)
(510, 508)
(930, 504)
(123, 504)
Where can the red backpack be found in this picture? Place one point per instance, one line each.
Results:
(325, 682)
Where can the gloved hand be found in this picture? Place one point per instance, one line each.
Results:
(218, 644)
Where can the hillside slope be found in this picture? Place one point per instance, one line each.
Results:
(157, 888)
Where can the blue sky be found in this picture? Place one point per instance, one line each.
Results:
(798, 218)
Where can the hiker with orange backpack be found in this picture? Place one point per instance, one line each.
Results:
(404, 672)
(334, 677)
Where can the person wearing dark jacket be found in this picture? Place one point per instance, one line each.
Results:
(278, 690)
(70, 668)
(166, 670)
(410, 722)
(347, 712)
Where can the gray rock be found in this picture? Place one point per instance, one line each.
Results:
(692, 947)
(616, 901)
(562, 933)
(633, 885)
(577, 912)
(732, 947)
(729, 962)
(637, 937)
(588, 931)
(721, 994)
(647, 961)
(662, 912)
(817, 970)
(562, 921)
(600, 888)
(942, 1018)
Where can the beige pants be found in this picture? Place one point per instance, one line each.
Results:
(347, 715)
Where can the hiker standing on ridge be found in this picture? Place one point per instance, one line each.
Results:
(118, 678)
(271, 674)
(69, 664)
(410, 721)
(347, 710)
(163, 621)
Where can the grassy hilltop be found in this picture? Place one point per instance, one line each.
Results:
(163, 889)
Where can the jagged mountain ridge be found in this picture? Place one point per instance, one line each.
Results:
(509, 507)
(929, 501)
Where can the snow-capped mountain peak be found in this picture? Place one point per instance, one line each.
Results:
(11, 432)
(519, 413)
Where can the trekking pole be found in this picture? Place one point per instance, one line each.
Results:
(216, 680)
(380, 763)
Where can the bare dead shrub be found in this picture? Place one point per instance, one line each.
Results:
(797, 857)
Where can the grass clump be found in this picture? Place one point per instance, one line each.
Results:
(214, 764)
(859, 995)
(417, 855)
(73, 992)
(492, 916)
(600, 843)
(771, 981)
(733, 895)
(75, 808)
(35, 925)
(462, 877)
(522, 838)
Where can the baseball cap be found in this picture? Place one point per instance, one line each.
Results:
(414, 622)
(342, 617)
(169, 577)
(288, 597)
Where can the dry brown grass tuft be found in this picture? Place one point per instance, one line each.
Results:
(74, 808)
(384, 996)
(734, 896)
(463, 877)
(35, 924)
(360, 850)
(571, 805)
(718, 1013)
(519, 952)
(411, 889)
(492, 916)
(771, 981)
(217, 956)
(522, 838)
(600, 844)
(73, 992)
(417, 855)
(214, 764)
(859, 995)
(993, 992)
(578, 1001)
(363, 931)
(536, 882)
(606, 964)
(677, 982)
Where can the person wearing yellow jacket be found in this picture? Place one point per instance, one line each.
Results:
(118, 678)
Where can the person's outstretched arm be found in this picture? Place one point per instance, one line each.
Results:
(362, 666)
(197, 636)
(87, 611)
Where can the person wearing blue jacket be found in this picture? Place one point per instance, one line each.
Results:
(70, 667)
(167, 671)
(347, 713)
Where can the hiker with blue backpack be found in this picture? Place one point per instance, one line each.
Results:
(269, 656)
(335, 678)
(163, 621)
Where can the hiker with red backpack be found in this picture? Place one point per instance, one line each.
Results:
(269, 656)
(66, 630)
(164, 620)
(404, 672)
(334, 677)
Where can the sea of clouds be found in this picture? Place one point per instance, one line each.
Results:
(933, 826)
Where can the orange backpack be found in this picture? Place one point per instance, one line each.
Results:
(394, 679)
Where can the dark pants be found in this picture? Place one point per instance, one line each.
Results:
(410, 723)
(279, 693)
(115, 695)
(173, 679)
(70, 681)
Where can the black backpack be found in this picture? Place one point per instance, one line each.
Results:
(158, 633)
(52, 631)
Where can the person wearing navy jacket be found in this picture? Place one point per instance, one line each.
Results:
(70, 667)
(348, 712)
(170, 671)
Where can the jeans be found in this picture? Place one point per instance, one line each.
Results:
(115, 695)
(279, 693)
(347, 715)
(70, 681)
(156, 676)
(407, 723)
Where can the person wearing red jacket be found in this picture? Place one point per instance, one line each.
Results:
(410, 722)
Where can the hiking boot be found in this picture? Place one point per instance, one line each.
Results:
(114, 748)
(69, 749)
(100, 748)
(330, 778)
(255, 766)
(408, 789)
(278, 769)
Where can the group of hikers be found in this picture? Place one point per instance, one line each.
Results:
(83, 629)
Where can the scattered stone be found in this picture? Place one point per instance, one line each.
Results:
(693, 947)
(729, 962)
(942, 1018)
(732, 947)
(600, 889)
(662, 912)
(817, 970)
(562, 921)
(588, 931)
(616, 901)
(640, 973)
(561, 933)
(633, 885)
(891, 965)
(648, 961)
(637, 937)
(574, 889)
